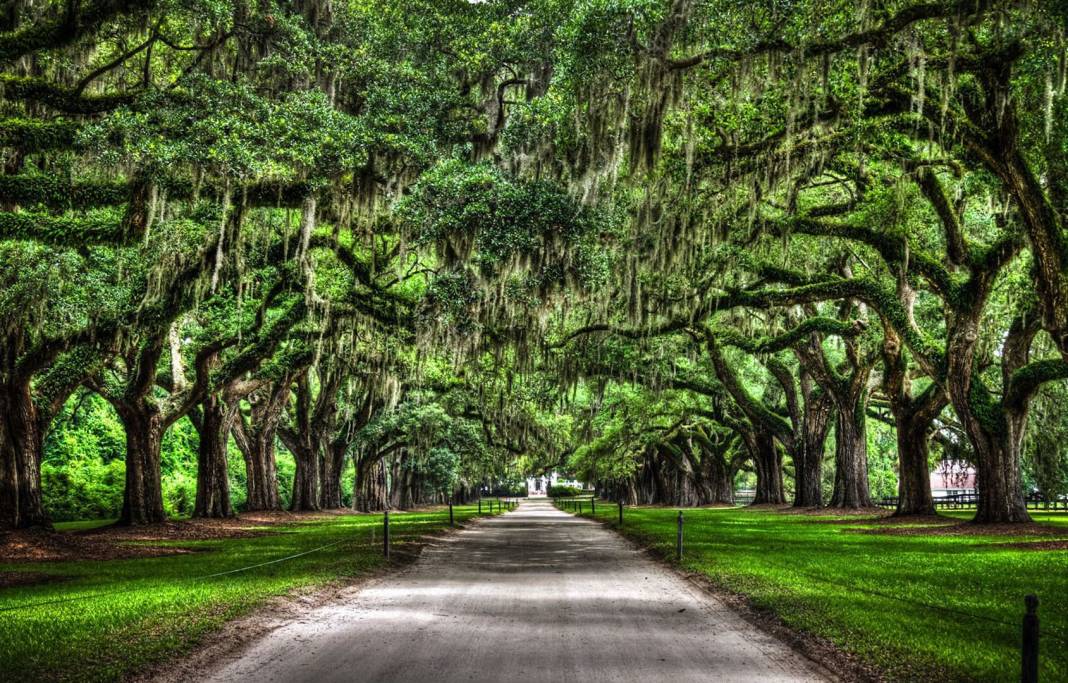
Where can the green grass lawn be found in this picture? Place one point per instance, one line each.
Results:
(875, 594)
(139, 612)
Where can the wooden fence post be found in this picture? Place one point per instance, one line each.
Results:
(1029, 649)
(620, 513)
(385, 534)
(678, 540)
(452, 520)
(593, 506)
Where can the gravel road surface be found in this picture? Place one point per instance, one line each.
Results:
(532, 595)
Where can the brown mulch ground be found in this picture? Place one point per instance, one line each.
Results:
(842, 512)
(1037, 545)
(14, 579)
(116, 542)
(905, 520)
(967, 529)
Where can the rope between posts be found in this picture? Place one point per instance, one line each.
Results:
(120, 591)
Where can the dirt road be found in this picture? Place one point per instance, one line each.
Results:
(532, 595)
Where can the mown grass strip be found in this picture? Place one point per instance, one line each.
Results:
(107, 619)
(918, 607)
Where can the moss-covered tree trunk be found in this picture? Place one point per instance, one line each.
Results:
(913, 417)
(21, 444)
(213, 481)
(261, 471)
(370, 494)
(256, 439)
(333, 463)
(304, 439)
(994, 435)
(142, 501)
(767, 461)
(914, 495)
(717, 479)
(851, 458)
(305, 477)
(808, 458)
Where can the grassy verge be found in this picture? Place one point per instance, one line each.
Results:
(138, 612)
(918, 607)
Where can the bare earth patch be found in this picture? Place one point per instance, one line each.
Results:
(1037, 545)
(22, 579)
(966, 529)
(838, 512)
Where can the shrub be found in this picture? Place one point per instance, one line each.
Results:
(559, 491)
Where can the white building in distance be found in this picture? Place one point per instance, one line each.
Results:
(539, 486)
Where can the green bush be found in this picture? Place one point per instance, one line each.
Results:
(82, 489)
(558, 491)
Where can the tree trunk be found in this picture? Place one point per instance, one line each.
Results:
(333, 463)
(213, 481)
(808, 461)
(370, 492)
(716, 475)
(142, 501)
(767, 459)
(256, 440)
(400, 494)
(305, 478)
(1001, 497)
(21, 445)
(914, 474)
(997, 466)
(851, 459)
(995, 434)
(261, 473)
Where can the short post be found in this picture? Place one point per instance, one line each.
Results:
(678, 540)
(580, 508)
(480, 506)
(498, 503)
(620, 513)
(593, 506)
(452, 520)
(385, 534)
(1029, 650)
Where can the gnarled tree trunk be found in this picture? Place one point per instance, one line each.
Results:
(914, 475)
(256, 439)
(370, 493)
(142, 501)
(213, 481)
(333, 462)
(808, 460)
(21, 445)
(767, 460)
(994, 433)
(261, 470)
(305, 478)
(851, 458)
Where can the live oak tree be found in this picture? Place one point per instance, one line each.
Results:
(769, 125)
